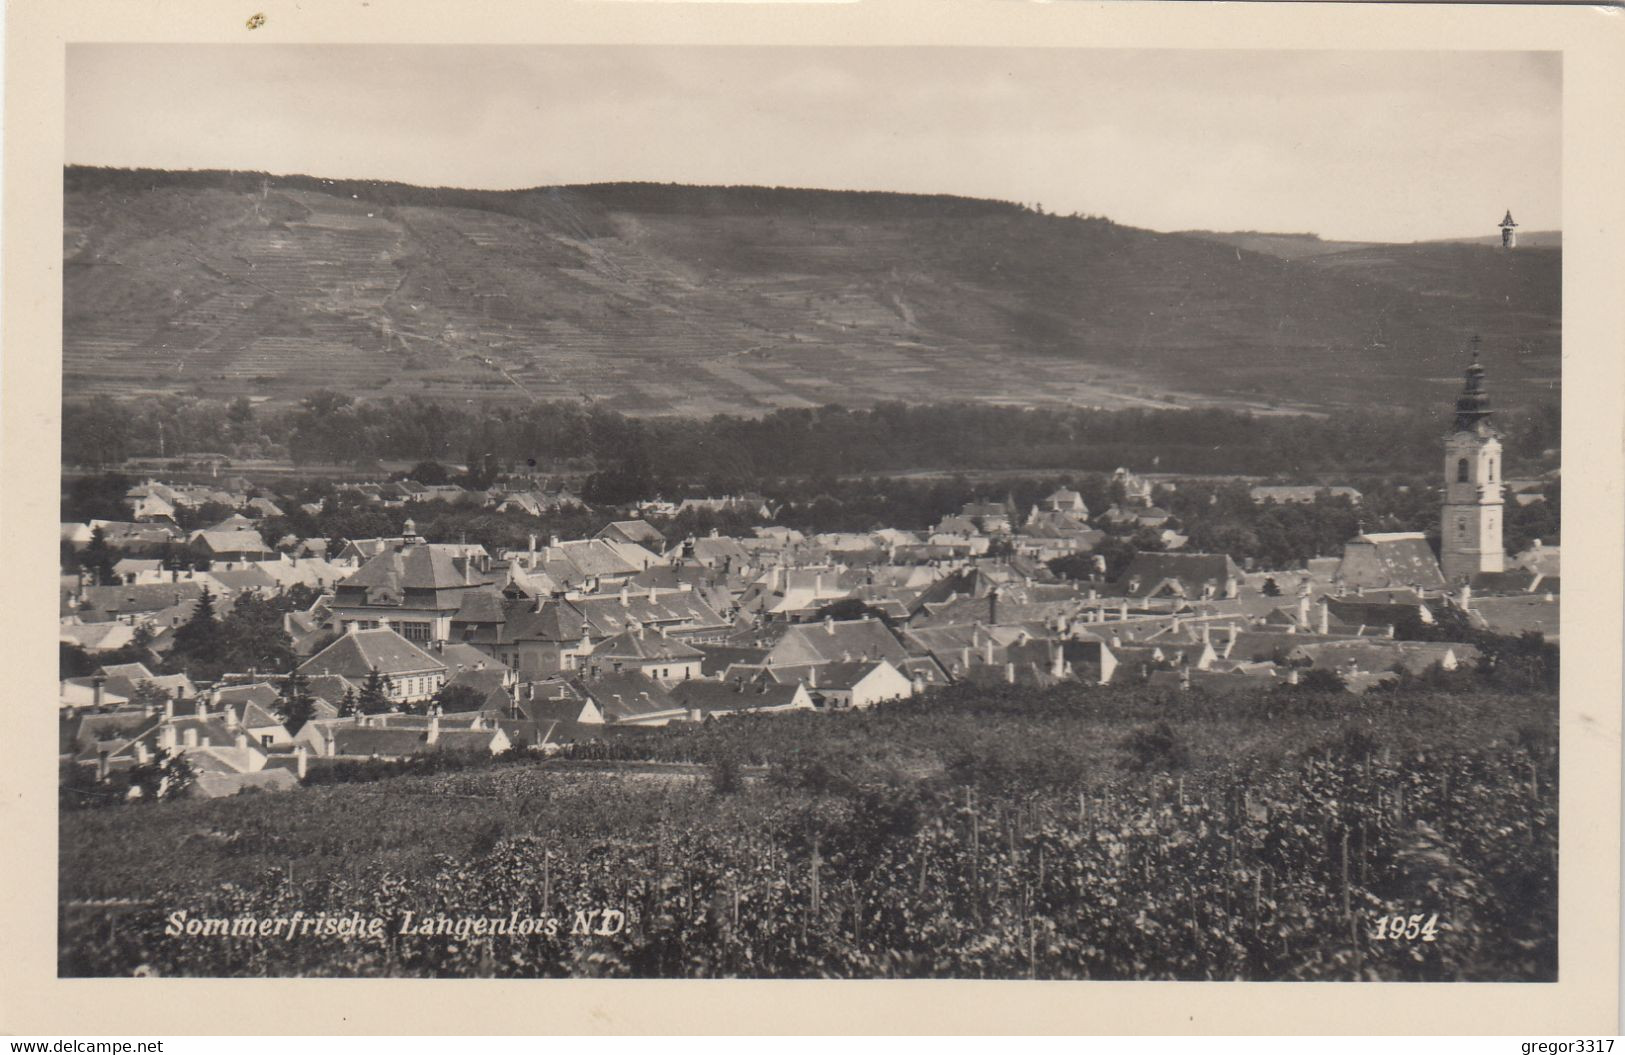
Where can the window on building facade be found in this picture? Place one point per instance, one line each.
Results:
(1461, 471)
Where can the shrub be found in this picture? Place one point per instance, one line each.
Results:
(1155, 748)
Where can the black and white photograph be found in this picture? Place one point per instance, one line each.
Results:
(663, 511)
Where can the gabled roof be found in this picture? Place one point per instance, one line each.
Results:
(836, 641)
(1191, 570)
(359, 652)
(637, 531)
(707, 696)
(644, 647)
(626, 695)
(238, 541)
(1389, 559)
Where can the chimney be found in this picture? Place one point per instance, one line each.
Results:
(1388, 631)
(189, 737)
(1292, 676)
(694, 715)
(1303, 610)
(1057, 662)
(993, 607)
(965, 659)
(1117, 642)
(812, 677)
(987, 650)
(1325, 616)
(230, 716)
(353, 626)
(1122, 612)
(96, 684)
(625, 596)
(1009, 673)
(142, 755)
(829, 625)
(242, 740)
(166, 737)
(299, 761)
(1184, 677)
(918, 683)
(101, 763)
(330, 743)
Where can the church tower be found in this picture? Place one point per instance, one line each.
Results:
(1509, 232)
(1470, 529)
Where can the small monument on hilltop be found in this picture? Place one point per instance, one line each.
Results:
(1509, 231)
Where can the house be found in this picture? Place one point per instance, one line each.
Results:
(76, 693)
(854, 684)
(587, 564)
(1065, 500)
(660, 656)
(1397, 558)
(637, 532)
(241, 544)
(410, 674)
(1186, 575)
(707, 698)
(415, 590)
(835, 641)
(1136, 490)
(253, 708)
(629, 697)
(488, 688)
(1301, 495)
(549, 636)
(96, 637)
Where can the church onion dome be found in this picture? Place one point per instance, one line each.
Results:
(1473, 405)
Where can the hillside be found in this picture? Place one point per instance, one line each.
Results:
(659, 299)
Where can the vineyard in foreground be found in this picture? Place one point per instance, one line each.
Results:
(1171, 855)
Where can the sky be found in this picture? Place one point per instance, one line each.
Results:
(1380, 146)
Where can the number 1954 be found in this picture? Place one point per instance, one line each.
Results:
(1407, 928)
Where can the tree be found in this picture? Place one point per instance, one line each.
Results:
(200, 639)
(297, 706)
(99, 558)
(349, 706)
(1321, 680)
(374, 697)
(429, 473)
(168, 776)
(454, 699)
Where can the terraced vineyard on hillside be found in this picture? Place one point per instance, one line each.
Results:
(664, 299)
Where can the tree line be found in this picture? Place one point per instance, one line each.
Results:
(629, 455)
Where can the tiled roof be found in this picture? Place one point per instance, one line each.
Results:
(644, 646)
(239, 541)
(836, 640)
(356, 654)
(707, 696)
(413, 568)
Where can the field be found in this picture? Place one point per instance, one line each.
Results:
(672, 300)
(983, 834)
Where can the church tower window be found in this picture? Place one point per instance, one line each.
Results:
(1461, 471)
